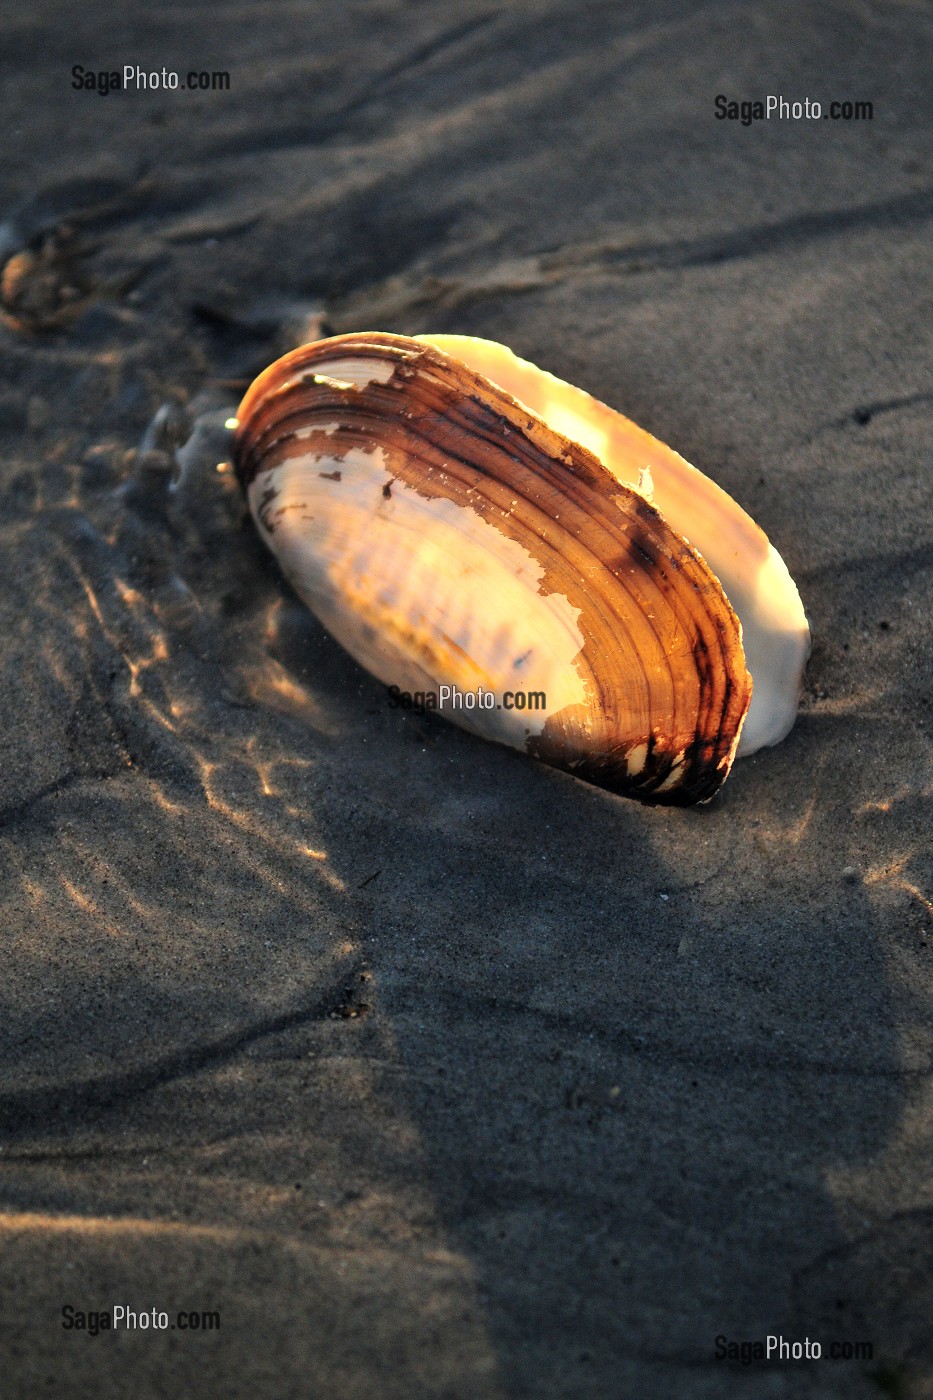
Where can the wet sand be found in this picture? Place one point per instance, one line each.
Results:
(433, 1071)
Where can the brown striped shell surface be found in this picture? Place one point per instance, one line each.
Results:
(446, 535)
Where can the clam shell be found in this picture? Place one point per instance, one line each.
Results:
(450, 528)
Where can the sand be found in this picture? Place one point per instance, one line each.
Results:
(433, 1071)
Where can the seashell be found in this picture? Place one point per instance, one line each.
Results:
(457, 517)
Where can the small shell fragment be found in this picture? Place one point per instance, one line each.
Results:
(457, 517)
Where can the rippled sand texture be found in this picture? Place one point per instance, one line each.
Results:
(436, 1072)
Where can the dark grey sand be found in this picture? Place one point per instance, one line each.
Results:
(436, 1072)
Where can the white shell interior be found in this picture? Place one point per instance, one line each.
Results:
(396, 585)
